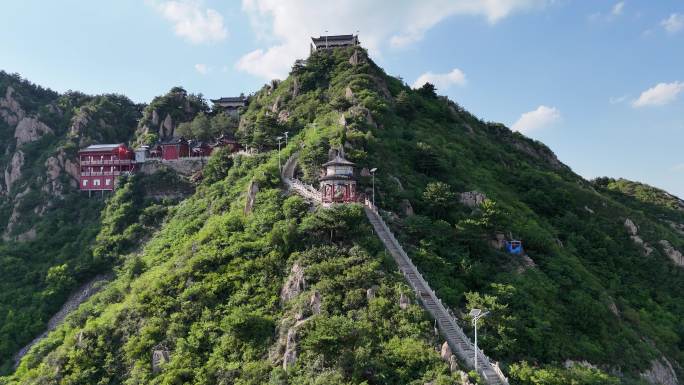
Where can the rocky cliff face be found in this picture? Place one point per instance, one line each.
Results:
(13, 170)
(29, 130)
(10, 110)
(165, 113)
(36, 176)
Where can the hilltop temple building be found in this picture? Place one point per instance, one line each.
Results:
(334, 41)
(231, 104)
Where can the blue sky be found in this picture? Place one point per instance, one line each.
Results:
(600, 82)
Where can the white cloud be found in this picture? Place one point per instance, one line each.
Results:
(202, 68)
(615, 11)
(674, 23)
(286, 27)
(192, 21)
(442, 81)
(618, 99)
(678, 167)
(618, 8)
(540, 118)
(660, 94)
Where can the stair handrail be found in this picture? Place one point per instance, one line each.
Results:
(452, 319)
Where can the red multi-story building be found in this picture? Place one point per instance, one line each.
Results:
(101, 164)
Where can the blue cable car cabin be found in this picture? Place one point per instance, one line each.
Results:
(514, 247)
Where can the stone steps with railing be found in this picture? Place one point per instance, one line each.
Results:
(456, 338)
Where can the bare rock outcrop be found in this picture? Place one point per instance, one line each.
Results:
(633, 231)
(251, 196)
(79, 122)
(404, 301)
(295, 87)
(29, 130)
(315, 302)
(294, 284)
(342, 121)
(276, 105)
(674, 254)
(166, 129)
(613, 308)
(453, 364)
(283, 116)
(55, 166)
(640, 242)
(10, 109)
(678, 227)
(542, 153)
(371, 292)
(28, 235)
(348, 93)
(159, 358)
(13, 170)
(14, 217)
(290, 355)
(631, 227)
(660, 373)
(463, 378)
(155, 117)
(356, 59)
(472, 198)
(445, 351)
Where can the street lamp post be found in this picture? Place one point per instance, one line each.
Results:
(279, 139)
(372, 171)
(476, 314)
(286, 133)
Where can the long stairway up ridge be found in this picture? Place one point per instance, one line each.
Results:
(458, 341)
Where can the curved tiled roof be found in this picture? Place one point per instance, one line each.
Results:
(338, 160)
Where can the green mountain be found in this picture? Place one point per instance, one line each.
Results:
(244, 282)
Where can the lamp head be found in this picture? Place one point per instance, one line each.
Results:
(374, 169)
(475, 312)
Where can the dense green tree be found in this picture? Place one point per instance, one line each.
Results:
(428, 90)
(439, 196)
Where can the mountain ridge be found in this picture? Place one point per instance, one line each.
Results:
(429, 150)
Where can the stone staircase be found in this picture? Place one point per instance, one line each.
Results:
(303, 189)
(454, 335)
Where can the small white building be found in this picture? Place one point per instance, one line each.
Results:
(141, 154)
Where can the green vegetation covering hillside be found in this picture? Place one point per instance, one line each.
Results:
(48, 228)
(281, 293)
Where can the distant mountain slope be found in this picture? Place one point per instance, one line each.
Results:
(230, 292)
(47, 228)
